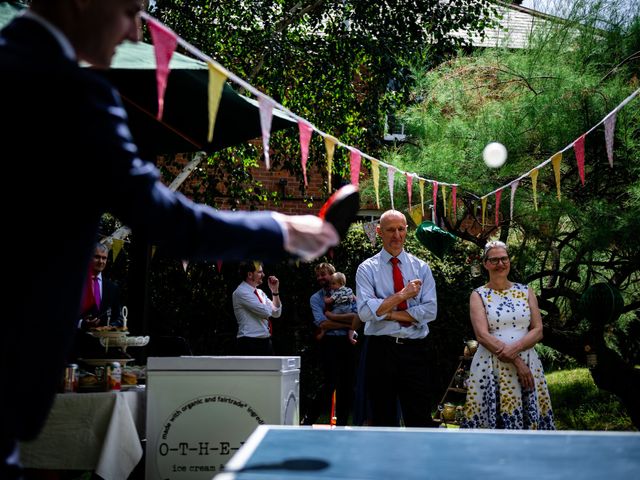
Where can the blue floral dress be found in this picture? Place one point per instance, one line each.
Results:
(495, 398)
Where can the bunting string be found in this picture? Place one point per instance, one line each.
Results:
(267, 104)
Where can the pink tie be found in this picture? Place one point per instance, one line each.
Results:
(96, 292)
(255, 290)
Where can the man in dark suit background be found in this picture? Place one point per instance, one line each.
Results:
(100, 307)
(101, 303)
(61, 164)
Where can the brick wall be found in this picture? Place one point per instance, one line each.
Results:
(294, 200)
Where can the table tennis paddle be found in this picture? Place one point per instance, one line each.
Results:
(341, 208)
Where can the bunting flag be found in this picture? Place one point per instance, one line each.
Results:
(454, 202)
(117, 247)
(443, 190)
(421, 184)
(266, 115)
(434, 196)
(164, 44)
(484, 210)
(370, 231)
(216, 84)
(578, 147)
(185, 264)
(498, 198)
(409, 187)
(219, 265)
(555, 162)
(609, 128)
(330, 147)
(534, 187)
(375, 173)
(390, 173)
(416, 214)
(305, 136)
(354, 164)
(514, 186)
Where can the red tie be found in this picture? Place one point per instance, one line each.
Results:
(96, 291)
(398, 283)
(255, 290)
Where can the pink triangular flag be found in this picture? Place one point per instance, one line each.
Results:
(164, 44)
(435, 197)
(185, 264)
(498, 197)
(354, 163)
(266, 115)
(409, 185)
(578, 148)
(219, 265)
(609, 129)
(370, 230)
(391, 171)
(514, 186)
(305, 137)
(454, 201)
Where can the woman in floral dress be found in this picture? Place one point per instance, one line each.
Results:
(506, 386)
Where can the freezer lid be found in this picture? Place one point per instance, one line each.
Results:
(224, 364)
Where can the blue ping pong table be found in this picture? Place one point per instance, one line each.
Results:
(281, 452)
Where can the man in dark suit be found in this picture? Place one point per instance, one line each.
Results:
(100, 307)
(65, 137)
(101, 303)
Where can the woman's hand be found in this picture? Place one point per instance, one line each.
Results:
(508, 353)
(524, 374)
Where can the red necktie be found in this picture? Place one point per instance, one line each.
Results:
(96, 291)
(255, 290)
(398, 284)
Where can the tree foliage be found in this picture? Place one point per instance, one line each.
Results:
(537, 102)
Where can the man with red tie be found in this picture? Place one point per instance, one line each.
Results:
(101, 303)
(396, 296)
(254, 309)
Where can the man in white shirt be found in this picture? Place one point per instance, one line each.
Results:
(253, 310)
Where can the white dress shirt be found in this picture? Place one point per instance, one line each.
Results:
(252, 314)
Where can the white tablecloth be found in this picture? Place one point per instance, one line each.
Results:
(91, 431)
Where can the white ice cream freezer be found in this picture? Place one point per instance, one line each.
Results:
(200, 410)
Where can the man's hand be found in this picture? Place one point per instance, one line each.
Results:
(411, 289)
(90, 322)
(307, 236)
(274, 284)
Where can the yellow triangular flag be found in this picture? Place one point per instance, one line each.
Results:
(416, 214)
(153, 250)
(330, 146)
(443, 189)
(555, 161)
(534, 186)
(375, 171)
(117, 246)
(216, 84)
(421, 182)
(484, 209)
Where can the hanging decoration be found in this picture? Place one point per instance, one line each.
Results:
(555, 161)
(305, 136)
(163, 43)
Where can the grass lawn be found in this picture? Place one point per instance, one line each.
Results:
(579, 405)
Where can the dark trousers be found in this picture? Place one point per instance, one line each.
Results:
(337, 356)
(398, 372)
(254, 347)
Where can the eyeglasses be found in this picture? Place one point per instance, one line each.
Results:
(496, 260)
